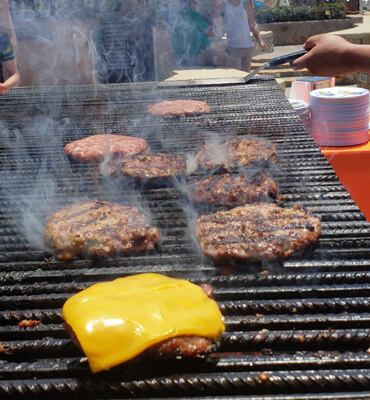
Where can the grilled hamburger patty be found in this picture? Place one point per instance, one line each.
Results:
(257, 232)
(97, 228)
(234, 153)
(149, 166)
(179, 108)
(230, 189)
(95, 148)
(184, 346)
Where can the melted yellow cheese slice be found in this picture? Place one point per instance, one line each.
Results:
(115, 321)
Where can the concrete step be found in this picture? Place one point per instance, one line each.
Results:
(262, 61)
(357, 18)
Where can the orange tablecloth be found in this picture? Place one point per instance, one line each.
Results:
(352, 165)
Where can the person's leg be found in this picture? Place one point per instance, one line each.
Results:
(246, 59)
(203, 59)
(222, 59)
(235, 60)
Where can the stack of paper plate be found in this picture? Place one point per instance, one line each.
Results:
(302, 109)
(340, 116)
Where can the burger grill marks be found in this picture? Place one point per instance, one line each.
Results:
(96, 229)
(257, 232)
(227, 189)
(142, 167)
(235, 154)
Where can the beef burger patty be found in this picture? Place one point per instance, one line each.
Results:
(234, 153)
(149, 166)
(257, 232)
(98, 228)
(232, 190)
(125, 319)
(179, 108)
(178, 346)
(97, 147)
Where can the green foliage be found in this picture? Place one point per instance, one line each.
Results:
(265, 15)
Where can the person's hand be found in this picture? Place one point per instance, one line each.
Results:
(210, 31)
(328, 56)
(263, 45)
(3, 88)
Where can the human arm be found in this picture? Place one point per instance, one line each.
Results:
(332, 55)
(209, 31)
(217, 11)
(14, 77)
(253, 25)
(7, 57)
(6, 23)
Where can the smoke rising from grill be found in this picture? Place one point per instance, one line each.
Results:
(99, 111)
(79, 42)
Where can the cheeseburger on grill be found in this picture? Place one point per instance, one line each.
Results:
(114, 322)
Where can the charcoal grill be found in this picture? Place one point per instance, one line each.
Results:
(298, 329)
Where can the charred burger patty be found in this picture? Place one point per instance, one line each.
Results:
(97, 228)
(179, 108)
(149, 166)
(257, 232)
(235, 153)
(231, 190)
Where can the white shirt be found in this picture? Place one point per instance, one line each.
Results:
(237, 26)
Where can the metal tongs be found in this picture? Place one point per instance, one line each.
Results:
(288, 58)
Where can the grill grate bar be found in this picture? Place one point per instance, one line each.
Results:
(320, 295)
(260, 312)
(216, 362)
(233, 384)
(326, 339)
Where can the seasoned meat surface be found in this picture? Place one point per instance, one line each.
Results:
(149, 166)
(179, 108)
(232, 190)
(97, 147)
(96, 229)
(184, 346)
(235, 153)
(257, 232)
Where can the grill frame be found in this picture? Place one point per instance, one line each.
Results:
(299, 331)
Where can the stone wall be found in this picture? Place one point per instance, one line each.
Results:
(290, 33)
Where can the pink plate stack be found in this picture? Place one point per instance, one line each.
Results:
(340, 116)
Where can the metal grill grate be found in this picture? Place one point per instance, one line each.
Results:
(295, 329)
